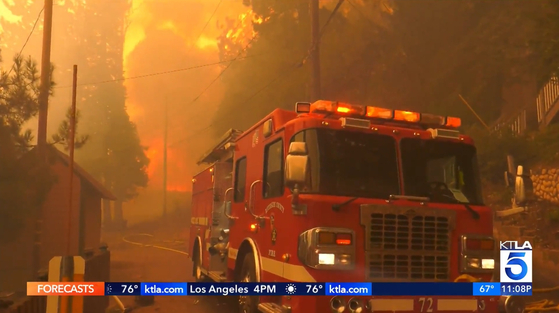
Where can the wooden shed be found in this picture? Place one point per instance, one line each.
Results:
(60, 223)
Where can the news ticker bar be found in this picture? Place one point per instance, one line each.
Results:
(277, 289)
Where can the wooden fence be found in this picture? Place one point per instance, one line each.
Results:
(546, 106)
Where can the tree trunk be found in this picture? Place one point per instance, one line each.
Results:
(107, 214)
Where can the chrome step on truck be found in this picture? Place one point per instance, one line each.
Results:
(216, 276)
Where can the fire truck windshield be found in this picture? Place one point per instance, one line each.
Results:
(352, 164)
(446, 172)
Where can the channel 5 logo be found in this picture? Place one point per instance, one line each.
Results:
(516, 262)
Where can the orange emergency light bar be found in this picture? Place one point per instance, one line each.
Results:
(341, 108)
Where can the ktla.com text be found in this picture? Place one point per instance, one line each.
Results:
(65, 289)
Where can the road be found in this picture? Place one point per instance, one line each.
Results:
(162, 257)
(144, 258)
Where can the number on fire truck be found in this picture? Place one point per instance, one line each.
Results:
(426, 305)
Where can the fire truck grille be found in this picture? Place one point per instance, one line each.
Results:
(385, 266)
(407, 244)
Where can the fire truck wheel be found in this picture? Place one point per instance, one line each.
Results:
(197, 268)
(248, 304)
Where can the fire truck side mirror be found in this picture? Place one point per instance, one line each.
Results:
(296, 165)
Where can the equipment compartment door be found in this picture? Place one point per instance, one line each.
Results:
(219, 221)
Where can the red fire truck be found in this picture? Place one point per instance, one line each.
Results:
(335, 192)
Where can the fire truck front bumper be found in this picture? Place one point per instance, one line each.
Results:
(397, 304)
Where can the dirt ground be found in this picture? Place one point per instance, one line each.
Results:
(132, 262)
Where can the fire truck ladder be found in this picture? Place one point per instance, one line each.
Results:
(222, 149)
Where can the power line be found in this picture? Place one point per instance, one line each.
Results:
(233, 108)
(264, 87)
(28, 37)
(278, 77)
(221, 73)
(158, 73)
(232, 60)
(198, 38)
(297, 65)
(165, 72)
(363, 15)
(321, 33)
(205, 26)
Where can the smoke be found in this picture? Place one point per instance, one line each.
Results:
(163, 39)
(166, 37)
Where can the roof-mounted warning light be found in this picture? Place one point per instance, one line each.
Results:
(374, 112)
(302, 107)
(407, 116)
(453, 122)
(346, 109)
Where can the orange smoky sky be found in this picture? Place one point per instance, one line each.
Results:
(165, 36)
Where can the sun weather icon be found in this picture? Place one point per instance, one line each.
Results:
(290, 289)
(109, 289)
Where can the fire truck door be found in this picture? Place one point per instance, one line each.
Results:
(269, 201)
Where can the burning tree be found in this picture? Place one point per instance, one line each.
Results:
(277, 37)
(114, 153)
(409, 54)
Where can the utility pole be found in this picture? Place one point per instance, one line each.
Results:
(42, 128)
(315, 50)
(45, 78)
(71, 139)
(66, 305)
(165, 161)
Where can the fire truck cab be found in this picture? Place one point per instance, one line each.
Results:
(335, 192)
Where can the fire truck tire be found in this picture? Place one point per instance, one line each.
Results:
(248, 304)
(197, 269)
(197, 264)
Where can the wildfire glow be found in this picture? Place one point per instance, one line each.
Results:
(157, 26)
(169, 25)
(240, 30)
(6, 14)
(153, 154)
(206, 43)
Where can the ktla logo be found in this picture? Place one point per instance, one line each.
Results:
(516, 262)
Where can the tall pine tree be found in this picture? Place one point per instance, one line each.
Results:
(114, 153)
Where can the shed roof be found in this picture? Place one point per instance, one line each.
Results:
(82, 173)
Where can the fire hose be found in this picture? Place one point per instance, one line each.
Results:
(544, 305)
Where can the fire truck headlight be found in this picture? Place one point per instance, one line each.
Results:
(473, 263)
(488, 264)
(327, 248)
(477, 263)
(326, 258)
